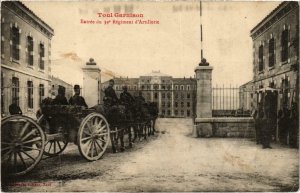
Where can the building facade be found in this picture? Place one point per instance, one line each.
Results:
(275, 62)
(25, 58)
(57, 83)
(176, 97)
(276, 54)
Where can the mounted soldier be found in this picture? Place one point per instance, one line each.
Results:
(140, 98)
(110, 99)
(127, 100)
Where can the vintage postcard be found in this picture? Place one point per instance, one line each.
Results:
(149, 96)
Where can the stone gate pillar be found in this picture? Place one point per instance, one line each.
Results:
(204, 100)
(91, 83)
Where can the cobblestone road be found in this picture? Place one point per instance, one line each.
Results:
(170, 161)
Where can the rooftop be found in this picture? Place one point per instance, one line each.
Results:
(13, 5)
(157, 73)
(282, 9)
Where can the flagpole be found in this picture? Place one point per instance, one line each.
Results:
(201, 34)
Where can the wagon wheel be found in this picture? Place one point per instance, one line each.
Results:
(55, 146)
(93, 136)
(22, 144)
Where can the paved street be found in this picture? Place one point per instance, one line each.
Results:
(171, 161)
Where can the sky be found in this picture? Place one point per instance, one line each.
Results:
(172, 46)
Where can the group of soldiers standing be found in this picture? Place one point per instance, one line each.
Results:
(287, 121)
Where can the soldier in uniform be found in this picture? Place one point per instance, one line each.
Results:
(127, 100)
(294, 125)
(125, 97)
(140, 98)
(110, 98)
(257, 126)
(77, 99)
(266, 126)
(14, 109)
(60, 99)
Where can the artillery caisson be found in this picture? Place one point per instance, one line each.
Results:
(24, 140)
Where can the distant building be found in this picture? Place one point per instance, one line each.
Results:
(246, 96)
(25, 58)
(176, 97)
(57, 83)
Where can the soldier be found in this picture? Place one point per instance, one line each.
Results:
(294, 125)
(257, 126)
(60, 99)
(140, 98)
(77, 99)
(110, 98)
(266, 126)
(128, 101)
(126, 98)
(14, 109)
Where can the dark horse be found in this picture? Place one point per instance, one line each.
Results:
(140, 117)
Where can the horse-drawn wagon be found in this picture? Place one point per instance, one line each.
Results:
(24, 140)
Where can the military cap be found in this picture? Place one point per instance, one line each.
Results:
(76, 86)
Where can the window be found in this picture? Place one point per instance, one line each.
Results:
(30, 94)
(176, 87)
(15, 90)
(41, 93)
(284, 45)
(176, 104)
(169, 104)
(261, 58)
(155, 95)
(169, 112)
(182, 95)
(181, 87)
(155, 86)
(143, 87)
(182, 112)
(168, 95)
(163, 87)
(148, 87)
(176, 112)
(188, 113)
(117, 87)
(163, 95)
(163, 104)
(30, 51)
(2, 93)
(2, 43)
(271, 52)
(188, 95)
(163, 112)
(15, 38)
(41, 56)
(188, 87)
(182, 104)
(188, 104)
(176, 96)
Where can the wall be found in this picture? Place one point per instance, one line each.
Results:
(229, 127)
